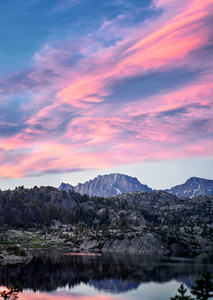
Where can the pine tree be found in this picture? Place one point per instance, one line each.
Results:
(203, 290)
(182, 296)
(12, 292)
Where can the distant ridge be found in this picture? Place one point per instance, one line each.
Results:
(114, 184)
(108, 185)
(193, 187)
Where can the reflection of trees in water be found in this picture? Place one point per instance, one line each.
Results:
(116, 273)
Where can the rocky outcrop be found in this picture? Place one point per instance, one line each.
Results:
(16, 256)
(193, 187)
(148, 243)
(107, 186)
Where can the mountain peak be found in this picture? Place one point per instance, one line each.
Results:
(109, 185)
(193, 187)
(114, 184)
(65, 187)
(195, 178)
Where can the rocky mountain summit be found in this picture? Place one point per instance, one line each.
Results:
(193, 187)
(115, 184)
(65, 187)
(107, 186)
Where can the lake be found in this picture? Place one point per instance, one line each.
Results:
(54, 276)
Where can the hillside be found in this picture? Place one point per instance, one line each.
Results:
(139, 222)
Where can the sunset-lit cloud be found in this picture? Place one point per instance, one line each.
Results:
(134, 87)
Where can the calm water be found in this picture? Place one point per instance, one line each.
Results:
(53, 276)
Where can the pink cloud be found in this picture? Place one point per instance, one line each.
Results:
(74, 123)
(168, 46)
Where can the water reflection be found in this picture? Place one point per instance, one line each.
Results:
(10, 292)
(104, 277)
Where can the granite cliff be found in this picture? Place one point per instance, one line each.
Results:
(107, 186)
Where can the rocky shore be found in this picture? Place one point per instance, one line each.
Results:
(12, 255)
(146, 242)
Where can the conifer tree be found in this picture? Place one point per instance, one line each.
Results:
(12, 292)
(182, 295)
(203, 290)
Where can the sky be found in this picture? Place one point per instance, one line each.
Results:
(91, 87)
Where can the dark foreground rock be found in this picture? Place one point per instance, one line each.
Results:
(13, 255)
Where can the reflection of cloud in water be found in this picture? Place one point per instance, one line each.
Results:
(29, 295)
(3, 288)
(156, 291)
(82, 254)
(147, 291)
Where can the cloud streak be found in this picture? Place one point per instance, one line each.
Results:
(115, 96)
